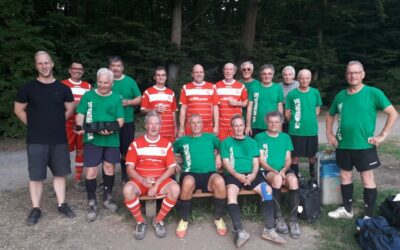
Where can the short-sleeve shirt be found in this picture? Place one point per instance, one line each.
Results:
(97, 108)
(249, 85)
(126, 88)
(151, 158)
(357, 116)
(274, 148)
(303, 119)
(265, 100)
(240, 153)
(45, 111)
(154, 96)
(198, 152)
(199, 99)
(78, 89)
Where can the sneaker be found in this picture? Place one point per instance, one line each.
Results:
(33, 216)
(160, 229)
(281, 226)
(66, 210)
(272, 235)
(110, 204)
(79, 185)
(221, 227)
(92, 211)
(140, 230)
(294, 229)
(240, 237)
(100, 188)
(341, 213)
(181, 229)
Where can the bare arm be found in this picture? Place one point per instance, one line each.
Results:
(288, 162)
(133, 102)
(329, 130)
(20, 111)
(288, 114)
(120, 122)
(263, 163)
(247, 130)
(280, 107)
(69, 109)
(182, 117)
(390, 120)
(317, 110)
(216, 119)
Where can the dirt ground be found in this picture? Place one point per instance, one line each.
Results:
(114, 231)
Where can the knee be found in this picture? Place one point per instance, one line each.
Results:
(219, 183)
(174, 191)
(108, 168)
(91, 173)
(277, 181)
(293, 182)
(346, 177)
(188, 183)
(129, 191)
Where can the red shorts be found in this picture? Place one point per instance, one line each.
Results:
(143, 190)
(75, 141)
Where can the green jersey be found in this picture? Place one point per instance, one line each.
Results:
(265, 100)
(198, 152)
(274, 148)
(240, 153)
(303, 119)
(357, 116)
(97, 108)
(249, 85)
(128, 89)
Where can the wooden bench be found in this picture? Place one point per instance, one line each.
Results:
(151, 204)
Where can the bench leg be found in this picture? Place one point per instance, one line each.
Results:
(151, 208)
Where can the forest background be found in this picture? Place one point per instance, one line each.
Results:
(321, 35)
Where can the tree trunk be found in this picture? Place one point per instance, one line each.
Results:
(249, 28)
(176, 38)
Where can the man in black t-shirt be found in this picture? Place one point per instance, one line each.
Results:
(43, 105)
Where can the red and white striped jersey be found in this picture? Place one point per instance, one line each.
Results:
(199, 99)
(78, 90)
(225, 92)
(154, 96)
(151, 158)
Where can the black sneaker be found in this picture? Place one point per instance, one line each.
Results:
(66, 210)
(33, 216)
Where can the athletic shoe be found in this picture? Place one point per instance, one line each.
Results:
(66, 210)
(140, 230)
(240, 237)
(221, 227)
(110, 204)
(281, 226)
(33, 216)
(92, 211)
(272, 235)
(341, 213)
(294, 229)
(79, 185)
(160, 229)
(181, 229)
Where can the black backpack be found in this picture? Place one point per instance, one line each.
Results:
(310, 201)
(391, 211)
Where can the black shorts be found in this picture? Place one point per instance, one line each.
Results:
(229, 179)
(94, 155)
(200, 180)
(285, 127)
(265, 172)
(256, 131)
(126, 136)
(304, 146)
(56, 157)
(362, 159)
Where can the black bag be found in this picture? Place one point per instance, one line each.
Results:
(96, 127)
(310, 201)
(391, 211)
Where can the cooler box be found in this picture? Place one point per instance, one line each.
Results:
(329, 179)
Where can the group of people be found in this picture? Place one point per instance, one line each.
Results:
(229, 136)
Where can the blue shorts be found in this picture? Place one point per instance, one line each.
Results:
(94, 155)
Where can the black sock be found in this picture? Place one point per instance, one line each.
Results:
(234, 213)
(295, 168)
(347, 194)
(124, 175)
(311, 167)
(370, 200)
(294, 200)
(184, 209)
(276, 194)
(267, 208)
(108, 185)
(91, 186)
(219, 208)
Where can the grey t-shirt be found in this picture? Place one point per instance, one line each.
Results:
(287, 88)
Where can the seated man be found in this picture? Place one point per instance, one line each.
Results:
(150, 163)
(199, 172)
(239, 155)
(275, 147)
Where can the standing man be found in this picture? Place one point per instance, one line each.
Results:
(288, 84)
(355, 140)
(129, 92)
(44, 105)
(275, 148)
(198, 97)
(232, 98)
(151, 163)
(75, 141)
(162, 100)
(247, 69)
(201, 160)
(264, 97)
(302, 108)
(239, 155)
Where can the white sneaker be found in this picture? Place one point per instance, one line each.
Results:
(341, 213)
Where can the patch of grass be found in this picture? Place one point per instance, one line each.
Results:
(390, 147)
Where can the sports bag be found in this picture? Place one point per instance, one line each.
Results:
(391, 211)
(309, 208)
